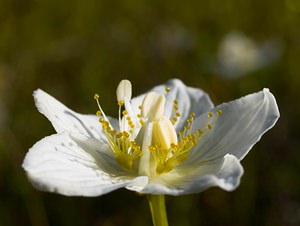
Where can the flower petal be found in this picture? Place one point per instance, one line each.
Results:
(189, 100)
(224, 173)
(59, 164)
(240, 126)
(64, 119)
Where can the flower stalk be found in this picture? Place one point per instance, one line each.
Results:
(158, 210)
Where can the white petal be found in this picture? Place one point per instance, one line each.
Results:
(224, 173)
(241, 125)
(59, 164)
(64, 119)
(189, 100)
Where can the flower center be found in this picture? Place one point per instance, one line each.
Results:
(147, 143)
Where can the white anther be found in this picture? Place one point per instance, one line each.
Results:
(153, 106)
(124, 90)
(164, 133)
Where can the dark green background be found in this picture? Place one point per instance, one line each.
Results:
(73, 49)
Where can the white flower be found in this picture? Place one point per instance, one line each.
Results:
(239, 54)
(171, 141)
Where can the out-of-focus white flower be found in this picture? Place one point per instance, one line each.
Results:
(171, 140)
(239, 55)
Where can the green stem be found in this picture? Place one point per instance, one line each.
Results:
(158, 210)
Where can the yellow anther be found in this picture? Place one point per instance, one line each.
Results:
(141, 122)
(105, 123)
(121, 103)
(192, 115)
(199, 131)
(151, 148)
(178, 114)
(125, 134)
(137, 147)
(173, 145)
(167, 89)
(140, 107)
(190, 120)
(124, 112)
(186, 127)
(175, 101)
(114, 132)
(138, 115)
(175, 108)
(131, 126)
(119, 135)
(210, 114)
(98, 113)
(174, 119)
(96, 96)
(219, 112)
(209, 126)
(132, 143)
(101, 120)
(128, 118)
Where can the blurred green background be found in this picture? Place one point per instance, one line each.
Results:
(72, 49)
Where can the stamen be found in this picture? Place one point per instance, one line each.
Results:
(151, 148)
(209, 126)
(199, 131)
(153, 106)
(219, 112)
(175, 114)
(96, 97)
(125, 150)
(123, 91)
(174, 119)
(165, 147)
(163, 133)
(190, 120)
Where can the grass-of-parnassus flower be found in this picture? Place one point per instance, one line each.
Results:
(169, 141)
